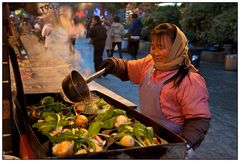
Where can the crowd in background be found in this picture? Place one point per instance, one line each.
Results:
(116, 33)
(106, 34)
(50, 29)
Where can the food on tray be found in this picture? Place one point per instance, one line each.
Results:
(81, 121)
(92, 125)
(65, 148)
(121, 119)
(127, 141)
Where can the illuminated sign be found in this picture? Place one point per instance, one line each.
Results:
(45, 7)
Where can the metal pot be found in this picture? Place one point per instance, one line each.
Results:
(75, 86)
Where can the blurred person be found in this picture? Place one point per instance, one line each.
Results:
(117, 33)
(172, 91)
(46, 31)
(98, 35)
(38, 29)
(71, 25)
(68, 23)
(73, 34)
(134, 33)
(49, 24)
(108, 44)
(25, 27)
(88, 25)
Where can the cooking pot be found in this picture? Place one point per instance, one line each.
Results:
(75, 86)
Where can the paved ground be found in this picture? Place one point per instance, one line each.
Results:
(221, 141)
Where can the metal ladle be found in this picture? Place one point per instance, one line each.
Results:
(75, 86)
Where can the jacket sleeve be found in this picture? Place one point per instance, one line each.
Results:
(194, 131)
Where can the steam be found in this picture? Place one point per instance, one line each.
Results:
(50, 66)
(59, 41)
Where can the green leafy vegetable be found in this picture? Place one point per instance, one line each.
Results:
(124, 130)
(57, 122)
(94, 128)
(66, 135)
(46, 101)
(109, 114)
(143, 134)
(82, 140)
(105, 120)
(51, 122)
(109, 124)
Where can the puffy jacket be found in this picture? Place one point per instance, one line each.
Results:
(117, 32)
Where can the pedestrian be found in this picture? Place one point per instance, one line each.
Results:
(25, 27)
(88, 25)
(108, 44)
(38, 29)
(73, 34)
(72, 43)
(46, 31)
(98, 36)
(118, 33)
(172, 91)
(134, 33)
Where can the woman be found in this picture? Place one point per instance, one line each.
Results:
(108, 43)
(117, 35)
(172, 92)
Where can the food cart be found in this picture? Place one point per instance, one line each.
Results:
(24, 91)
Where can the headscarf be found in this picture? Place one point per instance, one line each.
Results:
(178, 54)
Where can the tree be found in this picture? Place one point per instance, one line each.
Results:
(209, 22)
(160, 14)
(224, 27)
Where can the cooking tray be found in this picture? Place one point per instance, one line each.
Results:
(175, 149)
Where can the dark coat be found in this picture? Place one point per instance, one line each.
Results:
(98, 34)
(135, 28)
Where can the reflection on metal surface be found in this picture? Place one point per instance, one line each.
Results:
(5, 81)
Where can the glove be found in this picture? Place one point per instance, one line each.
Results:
(117, 67)
(109, 66)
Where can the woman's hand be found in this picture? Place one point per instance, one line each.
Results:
(117, 67)
(109, 66)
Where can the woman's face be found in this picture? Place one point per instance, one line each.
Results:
(160, 49)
